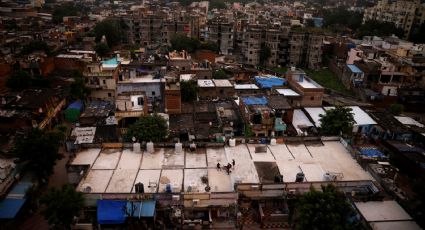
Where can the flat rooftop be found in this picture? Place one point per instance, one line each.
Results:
(287, 92)
(117, 170)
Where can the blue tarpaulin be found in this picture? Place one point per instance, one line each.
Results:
(269, 82)
(354, 68)
(10, 207)
(19, 190)
(111, 211)
(144, 208)
(372, 153)
(251, 100)
(79, 105)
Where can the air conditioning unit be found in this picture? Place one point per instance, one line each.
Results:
(292, 191)
(176, 197)
(195, 201)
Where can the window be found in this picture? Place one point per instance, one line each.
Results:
(221, 91)
(140, 100)
(153, 93)
(104, 82)
(109, 94)
(312, 98)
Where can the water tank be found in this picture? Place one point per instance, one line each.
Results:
(168, 188)
(178, 147)
(149, 147)
(192, 147)
(232, 142)
(136, 147)
(273, 141)
(299, 177)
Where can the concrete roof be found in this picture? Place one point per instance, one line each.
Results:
(246, 86)
(116, 170)
(314, 113)
(205, 83)
(388, 210)
(287, 92)
(222, 83)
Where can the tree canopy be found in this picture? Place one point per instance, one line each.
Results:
(19, 80)
(102, 49)
(62, 205)
(264, 54)
(78, 89)
(339, 17)
(148, 128)
(40, 149)
(326, 209)
(377, 28)
(219, 74)
(396, 109)
(337, 120)
(418, 34)
(62, 11)
(189, 90)
(111, 28)
(181, 42)
(36, 45)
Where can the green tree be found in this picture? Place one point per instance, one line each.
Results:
(62, 11)
(341, 18)
(210, 46)
(396, 109)
(102, 49)
(111, 28)
(189, 90)
(40, 149)
(78, 89)
(377, 28)
(148, 128)
(337, 120)
(265, 54)
(219, 74)
(326, 209)
(418, 34)
(61, 206)
(19, 80)
(181, 42)
(309, 23)
(36, 45)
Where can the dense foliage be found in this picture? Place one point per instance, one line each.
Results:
(102, 49)
(326, 209)
(61, 206)
(219, 74)
(189, 90)
(77, 89)
(36, 45)
(19, 80)
(63, 10)
(380, 29)
(148, 128)
(40, 149)
(338, 18)
(265, 53)
(181, 42)
(337, 120)
(396, 109)
(111, 28)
